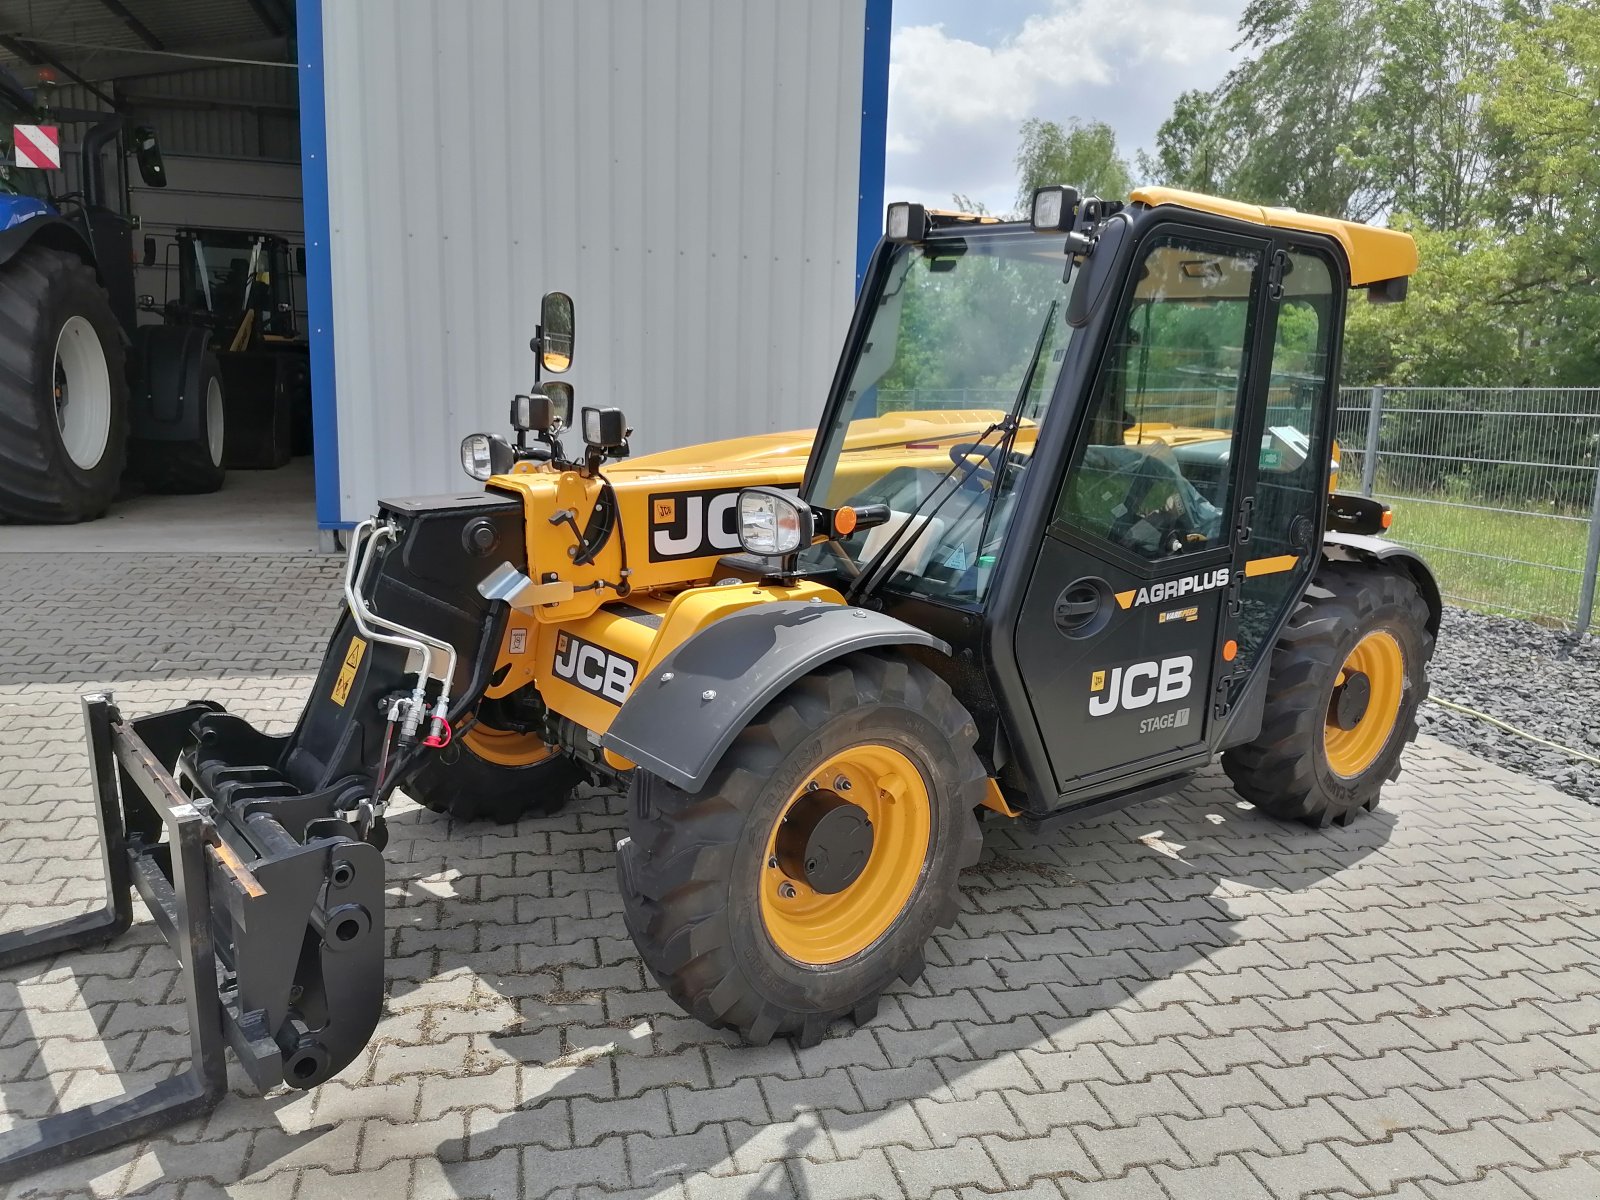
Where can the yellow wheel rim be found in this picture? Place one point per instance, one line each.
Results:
(1351, 751)
(815, 928)
(504, 748)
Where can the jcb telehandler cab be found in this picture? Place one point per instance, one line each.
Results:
(1064, 537)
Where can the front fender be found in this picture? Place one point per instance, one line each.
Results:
(25, 220)
(681, 718)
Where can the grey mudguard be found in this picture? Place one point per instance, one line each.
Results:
(683, 715)
(1362, 547)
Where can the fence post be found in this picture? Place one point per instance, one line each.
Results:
(1369, 458)
(1591, 562)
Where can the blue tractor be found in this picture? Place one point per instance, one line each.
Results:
(87, 396)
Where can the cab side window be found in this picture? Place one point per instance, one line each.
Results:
(1152, 470)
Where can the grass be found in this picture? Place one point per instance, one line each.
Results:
(1522, 564)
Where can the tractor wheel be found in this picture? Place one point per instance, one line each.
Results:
(63, 390)
(1347, 676)
(490, 774)
(194, 465)
(808, 873)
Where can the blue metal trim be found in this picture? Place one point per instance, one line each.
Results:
(874, 131)
(319, 263)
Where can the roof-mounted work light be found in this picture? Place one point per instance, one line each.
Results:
(1055, 208)
(905, 222)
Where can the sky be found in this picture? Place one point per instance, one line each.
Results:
(964, 74)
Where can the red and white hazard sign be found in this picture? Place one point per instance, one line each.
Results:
(37, 146)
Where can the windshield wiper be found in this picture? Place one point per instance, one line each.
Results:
(892, 553)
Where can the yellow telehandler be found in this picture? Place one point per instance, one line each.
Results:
(1066, 534)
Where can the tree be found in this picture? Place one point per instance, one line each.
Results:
(1352, 108)
(1083, 154)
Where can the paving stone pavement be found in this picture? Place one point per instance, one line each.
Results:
(1183, 1000)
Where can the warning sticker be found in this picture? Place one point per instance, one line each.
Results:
(347, 673)
(519, 641)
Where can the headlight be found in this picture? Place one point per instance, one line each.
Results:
(772, 523)
(483, 455)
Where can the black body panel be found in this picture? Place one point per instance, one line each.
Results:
(680, 719)
(428, 580)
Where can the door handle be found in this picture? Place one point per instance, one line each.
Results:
(1082, 607)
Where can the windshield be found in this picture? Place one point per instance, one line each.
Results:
(923, 426)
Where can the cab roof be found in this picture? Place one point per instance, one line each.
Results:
(1375, 255)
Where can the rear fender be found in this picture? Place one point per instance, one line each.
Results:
(1356, 547)
(687, 710)
(170, 365)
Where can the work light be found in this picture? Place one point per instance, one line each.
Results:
(1055, 207)
(905, 222)
(483, 455)
(604, 428)
(772, 523)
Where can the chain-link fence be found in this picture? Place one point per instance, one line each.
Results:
(1497, 487)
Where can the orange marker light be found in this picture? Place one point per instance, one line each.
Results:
(1230, 650)
(844, 522)
(1388, 517)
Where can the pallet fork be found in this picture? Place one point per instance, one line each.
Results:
(277, 924)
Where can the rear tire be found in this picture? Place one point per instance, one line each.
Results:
(489, 774)
(700, 874)
(192, 466)
(63, 390)
(1304, 765)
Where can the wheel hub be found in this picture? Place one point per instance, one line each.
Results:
(1351, 700)
(825, 840)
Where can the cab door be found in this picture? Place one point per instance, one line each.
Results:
(1123, 631)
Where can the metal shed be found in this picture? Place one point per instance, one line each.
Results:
(703, 176)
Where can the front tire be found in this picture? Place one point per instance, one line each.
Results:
(808, 873)
(63, 390)
(1347, 676)
(489, 774)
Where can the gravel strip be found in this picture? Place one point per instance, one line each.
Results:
(1537, 679)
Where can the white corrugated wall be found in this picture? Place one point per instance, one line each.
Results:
(687, 169)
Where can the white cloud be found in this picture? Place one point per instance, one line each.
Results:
(954, 104)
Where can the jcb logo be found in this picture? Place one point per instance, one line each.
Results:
(594, 669)
(1140, 685)
(695, 524)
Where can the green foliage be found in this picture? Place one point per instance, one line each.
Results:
(1083, 154)
(1475, 124)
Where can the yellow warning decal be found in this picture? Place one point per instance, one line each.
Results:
(347, 673)
(1271, 566)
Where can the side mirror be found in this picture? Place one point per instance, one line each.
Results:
(147, 152)
(299, 260)
(560, 397)
(555, 332)
(149, 252)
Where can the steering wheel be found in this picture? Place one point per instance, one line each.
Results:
(975, 474)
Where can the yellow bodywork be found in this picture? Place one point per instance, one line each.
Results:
(1374, 254)
(675, 512)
